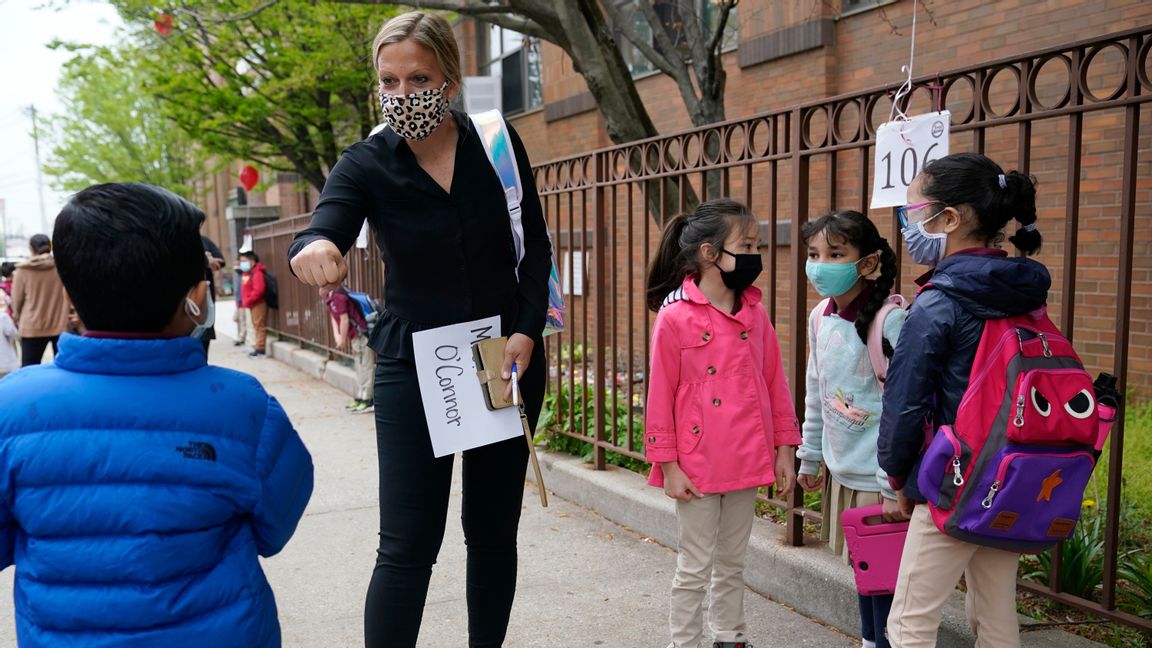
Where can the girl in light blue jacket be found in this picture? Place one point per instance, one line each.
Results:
(842, 404)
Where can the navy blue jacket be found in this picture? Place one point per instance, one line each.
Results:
(137, 488)
(933, 361)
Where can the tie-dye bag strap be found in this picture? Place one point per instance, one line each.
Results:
(493, 134)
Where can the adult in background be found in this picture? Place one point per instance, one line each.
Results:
(215, 261)
(441, 222)
(39, 304)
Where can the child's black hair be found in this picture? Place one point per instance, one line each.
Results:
(855, 229)
(7, 268)
(678, 255)
(128, 253)
(996, 197)
(251, 254)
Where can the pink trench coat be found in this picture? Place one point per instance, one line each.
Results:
(718, 402)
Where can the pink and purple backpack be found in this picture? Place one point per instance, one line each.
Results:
(1011, 472)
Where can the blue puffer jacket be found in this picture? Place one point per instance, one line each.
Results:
(137, 486)
(933, 361)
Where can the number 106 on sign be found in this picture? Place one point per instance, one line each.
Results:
(902, 150)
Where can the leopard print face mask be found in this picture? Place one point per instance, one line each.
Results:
(414, 116)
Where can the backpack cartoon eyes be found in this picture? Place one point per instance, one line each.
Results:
(1079, 406)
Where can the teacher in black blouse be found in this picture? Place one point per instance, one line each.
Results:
(438, 213)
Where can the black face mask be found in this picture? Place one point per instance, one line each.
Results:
(748, 267)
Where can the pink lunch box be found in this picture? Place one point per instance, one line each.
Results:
(874, 547)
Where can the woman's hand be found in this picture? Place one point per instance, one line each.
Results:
(518, 350)
(676, 483)
(785, 470)
(810, 482)
(893, 512)
(320, 264)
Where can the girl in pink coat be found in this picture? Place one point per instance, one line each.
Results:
(720, 421)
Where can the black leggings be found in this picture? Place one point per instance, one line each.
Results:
(32, 349)
(414, 489)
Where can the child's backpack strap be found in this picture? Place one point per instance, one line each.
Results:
(876, 336)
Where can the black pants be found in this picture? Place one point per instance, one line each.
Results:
(414, 489)
(874, 618)
(32, 349)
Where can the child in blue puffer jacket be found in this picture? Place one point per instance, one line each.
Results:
(138, 485)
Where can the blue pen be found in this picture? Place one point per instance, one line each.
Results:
(515, 399)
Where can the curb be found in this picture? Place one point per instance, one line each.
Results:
(809, 579)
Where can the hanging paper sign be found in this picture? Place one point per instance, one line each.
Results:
(902, 149)
(246, 244)
(454, 405)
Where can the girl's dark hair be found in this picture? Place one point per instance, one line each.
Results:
(974, 180)
(855, 229)
(250, 254)
(678, 255)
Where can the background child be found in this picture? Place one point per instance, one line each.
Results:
(719, 421)
(842, 406)
(253, 285)
(958, 208)
(140, 485)
(349, 326)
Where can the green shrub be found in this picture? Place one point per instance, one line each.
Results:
(1082, 565)
(554, 416)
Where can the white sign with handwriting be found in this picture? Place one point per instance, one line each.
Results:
(902, 150)
(457, 417)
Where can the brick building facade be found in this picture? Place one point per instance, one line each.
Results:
(799, 51)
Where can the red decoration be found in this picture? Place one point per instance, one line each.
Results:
(163, 24)
(249, 177)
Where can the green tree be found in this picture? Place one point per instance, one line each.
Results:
(111, 129)
(284, 84)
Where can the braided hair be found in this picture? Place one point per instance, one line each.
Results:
(855, 229)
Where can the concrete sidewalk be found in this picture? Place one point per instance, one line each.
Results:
(583, 580)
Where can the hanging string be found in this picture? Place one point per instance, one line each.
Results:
(906, 88)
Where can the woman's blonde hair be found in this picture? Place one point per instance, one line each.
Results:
(429, 30)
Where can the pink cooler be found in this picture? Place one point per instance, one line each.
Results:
(874, 547)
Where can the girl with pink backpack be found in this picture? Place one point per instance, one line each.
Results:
(959, 207)
(851, 335)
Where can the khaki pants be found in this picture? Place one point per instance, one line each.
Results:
(259, 323)
(714, 534)
(364, 361)
(929, 570)
(241, 319)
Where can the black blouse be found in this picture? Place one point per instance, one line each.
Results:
(448, 257)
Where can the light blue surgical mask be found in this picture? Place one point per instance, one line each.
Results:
(832, 279)
(923, 246)
(245, 266)
(193, 311)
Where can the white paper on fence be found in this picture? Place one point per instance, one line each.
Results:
(246, 244)
(457, 417)
(902, 150)
(362, 237)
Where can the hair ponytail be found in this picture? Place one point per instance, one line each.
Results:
(666, 273)
(678, 254)
(1018, 201)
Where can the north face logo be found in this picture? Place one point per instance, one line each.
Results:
(198, 450)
